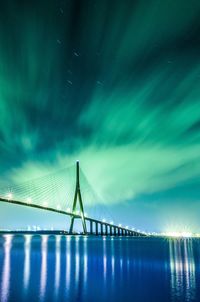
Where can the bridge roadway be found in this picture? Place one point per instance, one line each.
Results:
(96, 227)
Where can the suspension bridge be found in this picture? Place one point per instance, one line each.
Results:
(62, 193)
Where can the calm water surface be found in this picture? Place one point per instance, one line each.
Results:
(64, 268)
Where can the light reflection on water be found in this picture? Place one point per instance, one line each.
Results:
(27, 251)
(182, 269)
(58, 268)
(5, 282)
(44, 268)
(85, 264)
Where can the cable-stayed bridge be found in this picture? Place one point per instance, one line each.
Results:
(65, 193)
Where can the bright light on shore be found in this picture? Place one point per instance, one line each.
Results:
(68, 210)
(178, 234)
(58, 207)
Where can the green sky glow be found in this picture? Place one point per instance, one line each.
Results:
(115, 84)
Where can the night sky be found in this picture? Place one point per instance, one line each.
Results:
(115, 84)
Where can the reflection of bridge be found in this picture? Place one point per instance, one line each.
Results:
(96, 227)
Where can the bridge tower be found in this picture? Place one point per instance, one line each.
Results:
(77, 197)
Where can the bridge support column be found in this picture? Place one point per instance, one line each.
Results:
(101, 229)
(118, 231)
(91, 227)
(115, 231)
(106, 229)
(110, 230)
(96, 227)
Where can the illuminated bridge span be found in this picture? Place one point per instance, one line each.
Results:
(52, 190)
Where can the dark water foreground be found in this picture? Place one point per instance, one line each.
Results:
(64, 268)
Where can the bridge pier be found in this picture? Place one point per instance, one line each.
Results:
(101, 229)
(91, 227)
(115, 231)
(110, 230)
(96, 228)
(118, 231)
(106, 230)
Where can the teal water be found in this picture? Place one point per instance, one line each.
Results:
(64, 268)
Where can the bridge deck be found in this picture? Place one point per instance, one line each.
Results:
(26, 204)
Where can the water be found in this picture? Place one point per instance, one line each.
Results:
(60, 268)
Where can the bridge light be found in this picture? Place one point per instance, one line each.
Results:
(86, 215)
(111, 222)
(29, 200)
(68, 210)
(120, 225)
(103, 220)
(58, 207)
(77, 212)
(9, 196)
(45, 203)
(133, 229)
(127, 227)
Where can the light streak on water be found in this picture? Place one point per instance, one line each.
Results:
(182, 267)
(104, 261)
(27, 252)
(68, 263)
(85, 263)
(77, 262)
(43, 274)
(5, 282)
(57, 268)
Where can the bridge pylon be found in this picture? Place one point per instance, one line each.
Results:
(77, 197)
